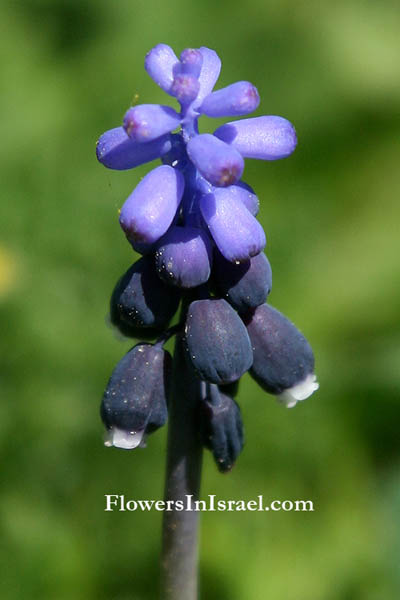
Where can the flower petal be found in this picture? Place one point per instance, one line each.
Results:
(116, 150)
(217, 341)
(183, 257)
(221, 427)
(283, 358)
(159, 64)
(300, 391)
(240, 98)
(218, 162)
(138, 387)
(208, 75)
(150, 209)
(238, 235)
(246, 285)
(245, 193)
(146, 122)
(191, 61)
(266, 138)
(185, 87)
(140, 300)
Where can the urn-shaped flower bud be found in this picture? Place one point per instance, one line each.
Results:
(185, 87)
(267, 138)
(283, 359)
(237, 234)
(184, 256)
(141, 302)
(150, 209)
(145, 122)
(217, 342)
(240, 98)
(159, 64)
(246, 285)
(245, 193)
(191, 61)
(135, 400)
(209, 74)
(218, 162)
(116, 150)
(221, 428)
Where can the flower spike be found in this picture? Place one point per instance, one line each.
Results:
(195, 222)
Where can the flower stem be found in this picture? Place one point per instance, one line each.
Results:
(183, 474)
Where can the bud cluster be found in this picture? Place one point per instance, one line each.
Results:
(194, 222)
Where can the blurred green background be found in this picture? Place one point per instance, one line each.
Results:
(69, 70)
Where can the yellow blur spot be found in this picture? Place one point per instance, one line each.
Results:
(7, 272)
(135, 99)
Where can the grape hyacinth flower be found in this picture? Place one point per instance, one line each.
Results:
(134, 402)
(194, 221)
(221, 427)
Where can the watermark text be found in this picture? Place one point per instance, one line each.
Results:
(116, 502)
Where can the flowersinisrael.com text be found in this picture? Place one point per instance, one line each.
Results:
(115, 502)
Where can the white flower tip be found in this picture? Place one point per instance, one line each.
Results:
(128, 440)
(300, 391)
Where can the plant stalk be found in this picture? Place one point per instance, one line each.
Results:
(179, 560)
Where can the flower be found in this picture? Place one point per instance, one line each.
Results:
(199, 183)
(194, 221)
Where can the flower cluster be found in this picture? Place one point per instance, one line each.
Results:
(194, 221)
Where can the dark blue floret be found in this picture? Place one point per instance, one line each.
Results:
(246, 285)
(221, 428)
(217, 343)
(283, 359)
(135, 399)
(141, 301)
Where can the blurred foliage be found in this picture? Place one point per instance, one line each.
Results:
(69, 70)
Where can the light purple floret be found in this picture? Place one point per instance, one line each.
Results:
(159, 64)
(208, 166)
(238, 234)
(116, 150)
(240, 98)
(266, 138)
(191, 61)
(184, 256)
(219, 163)
(185, 88)
(208, 75)
(145, 122)
(243, 192)
(150, 209)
